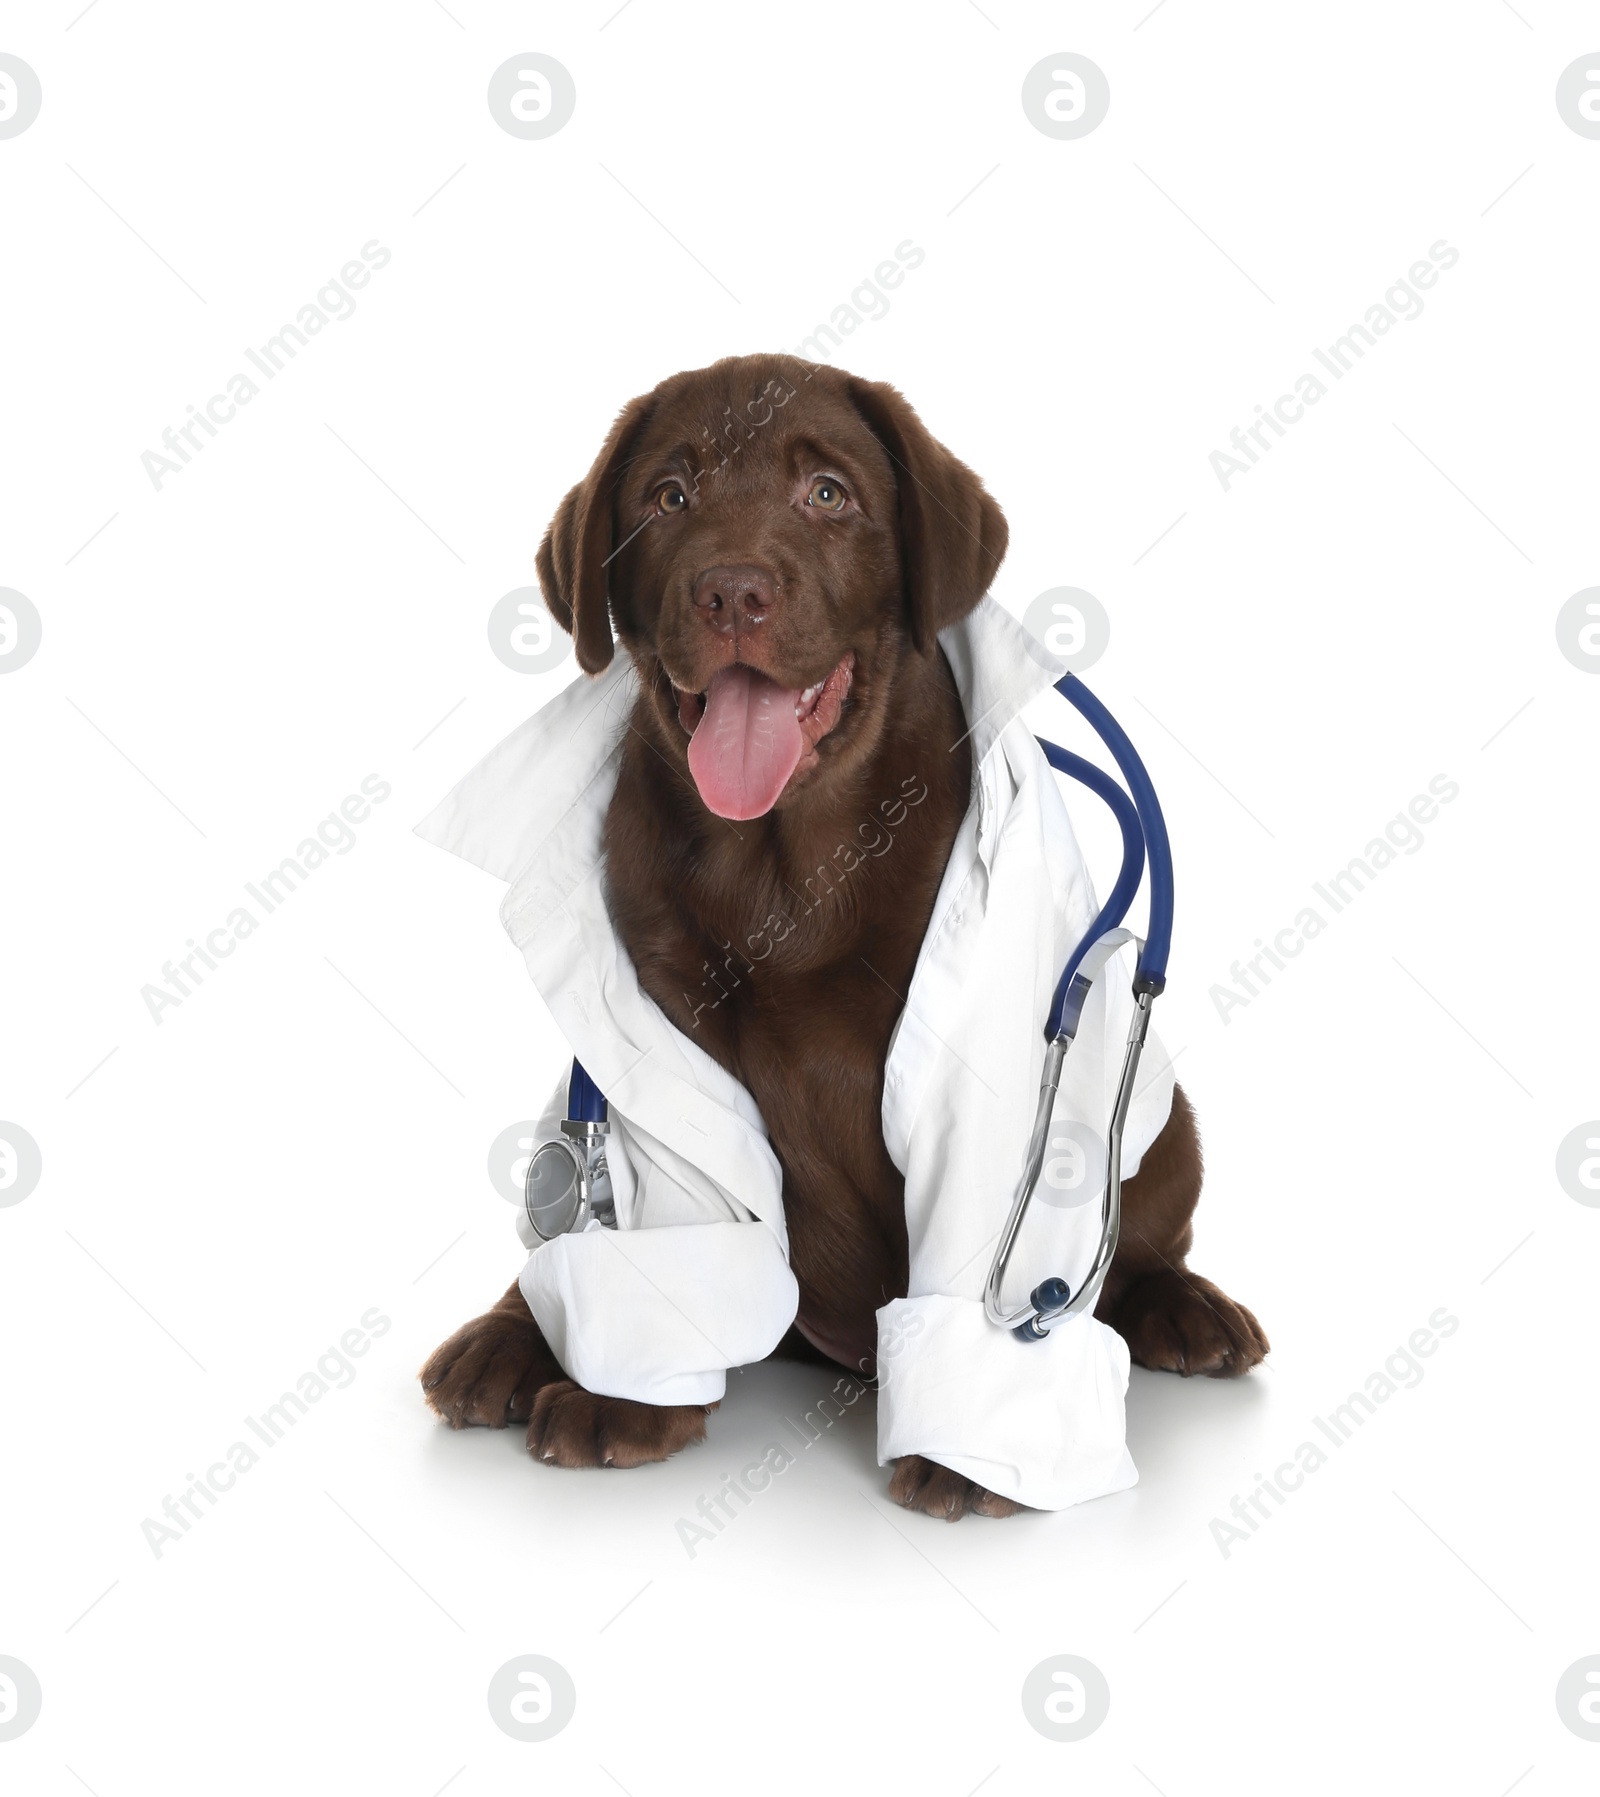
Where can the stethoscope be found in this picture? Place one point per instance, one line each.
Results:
(568, 1185)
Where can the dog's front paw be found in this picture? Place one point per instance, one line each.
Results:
(924, 1485)
(573, 1427)
(1177, 1322)
(489, 1370)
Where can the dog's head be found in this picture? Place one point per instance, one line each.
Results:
(769, 539)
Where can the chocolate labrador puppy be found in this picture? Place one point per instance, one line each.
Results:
(777, 545)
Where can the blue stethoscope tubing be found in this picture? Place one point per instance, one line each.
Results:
(586, 1103)
(1144, 841)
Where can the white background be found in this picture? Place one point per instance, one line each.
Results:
(305, 1137)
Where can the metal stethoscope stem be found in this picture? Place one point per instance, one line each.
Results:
(1052, 1301)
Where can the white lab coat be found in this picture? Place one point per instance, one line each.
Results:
(696, 1277)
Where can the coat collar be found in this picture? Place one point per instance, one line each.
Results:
(526, 810)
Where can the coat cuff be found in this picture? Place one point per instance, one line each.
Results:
(1041, 1423)
(659, 1315)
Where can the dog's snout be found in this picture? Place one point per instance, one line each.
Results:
(729, 598)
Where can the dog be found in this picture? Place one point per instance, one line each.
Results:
(771, 533)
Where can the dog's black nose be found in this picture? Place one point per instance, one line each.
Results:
(730, 598)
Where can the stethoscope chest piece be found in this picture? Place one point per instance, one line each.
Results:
(568, 1182)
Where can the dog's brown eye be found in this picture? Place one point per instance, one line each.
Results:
(827, 494)
(671, 499)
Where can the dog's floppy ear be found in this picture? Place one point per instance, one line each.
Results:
(573, 560)
(952, 534)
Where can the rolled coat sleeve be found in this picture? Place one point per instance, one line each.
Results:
(658, 1309)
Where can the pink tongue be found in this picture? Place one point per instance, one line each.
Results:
(746, 744)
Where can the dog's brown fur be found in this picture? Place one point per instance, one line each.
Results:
(805, 1023)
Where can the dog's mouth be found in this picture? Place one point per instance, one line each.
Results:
(749, 736)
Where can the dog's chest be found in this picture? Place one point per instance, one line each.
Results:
(810, 1046)
(795, 989)
(808, 1037)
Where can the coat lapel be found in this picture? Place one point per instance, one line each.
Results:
(533, 813)
(999, 667)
